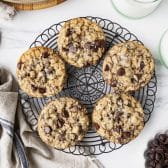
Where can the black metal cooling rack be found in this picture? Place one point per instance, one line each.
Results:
(87, 85)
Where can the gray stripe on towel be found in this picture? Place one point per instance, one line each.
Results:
(21, 151)
(9, 126)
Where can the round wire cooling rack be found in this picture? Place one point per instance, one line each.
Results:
(87, 85)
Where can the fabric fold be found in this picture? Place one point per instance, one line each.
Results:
(8, 105)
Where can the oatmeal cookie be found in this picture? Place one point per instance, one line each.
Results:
(63, 123)
(41, 72)
(81, 42)
(128, 66)
(118, 117)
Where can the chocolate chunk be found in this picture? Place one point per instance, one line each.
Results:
(114, 83)
(151, 155)
(118, 129)
(107, 68)
(158, 165)
(126, 135)
(98, 44)
(158, 156)
(96, 126)
(65, 49)
(72, 48)
(152, 163)
(121, 72)
(162, 138)
(118, 116)
(119, 140)
(117, 119)
(155, 143)
(139, 76)
(87, 64)
(62, 136)
(142, 65)
(19, 65)
(45, 55)
(132, 80)
(69, 32)
(128, 115)
(166, 155)
(94, 46)
(42, 90)
(80, 128)
(60, 123)
(156, 153)
(47, 129)
(34, 88)
(166, 162)
(65, 113)
(132, 93)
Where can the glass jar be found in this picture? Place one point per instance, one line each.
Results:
(136, 8)
(164, 49)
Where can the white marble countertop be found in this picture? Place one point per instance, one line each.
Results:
(18, 34)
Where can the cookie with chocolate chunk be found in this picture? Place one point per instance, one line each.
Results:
(63, 123)
(41, 72)
(81, 42)
(118, 117)
(128, 66)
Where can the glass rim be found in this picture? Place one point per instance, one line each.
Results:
(149, 1)
(160, 52)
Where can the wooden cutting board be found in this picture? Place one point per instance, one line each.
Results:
(38, 5)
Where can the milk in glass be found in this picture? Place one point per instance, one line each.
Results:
(136, 8)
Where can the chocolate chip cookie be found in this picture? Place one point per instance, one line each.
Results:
(128, 66)
(118, 117)
(41, 72)
(81, 42)
(63, 123)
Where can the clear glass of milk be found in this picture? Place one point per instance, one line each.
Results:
(136, 8)
(164, 49)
